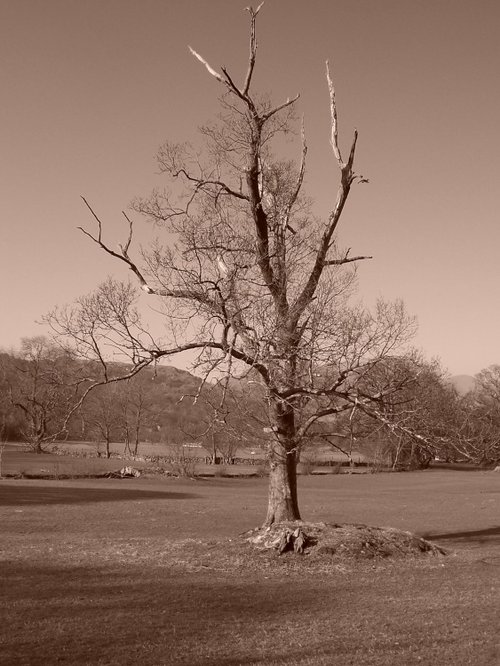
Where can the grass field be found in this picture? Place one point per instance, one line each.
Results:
(17, 461)
(148, 571)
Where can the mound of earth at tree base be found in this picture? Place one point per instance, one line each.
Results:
(326, 541)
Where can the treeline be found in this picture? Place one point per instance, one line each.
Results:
(42, 387)
(41, 390)
(424, 419)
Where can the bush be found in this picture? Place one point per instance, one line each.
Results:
(183, 466)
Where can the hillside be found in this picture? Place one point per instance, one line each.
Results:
(162, 403)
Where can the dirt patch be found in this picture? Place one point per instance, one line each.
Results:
(320, 541)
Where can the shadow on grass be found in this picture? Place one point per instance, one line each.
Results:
(131, 615)
(90, 615)
(22, 494)
(490, 535)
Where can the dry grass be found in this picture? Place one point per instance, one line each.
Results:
(151, 572)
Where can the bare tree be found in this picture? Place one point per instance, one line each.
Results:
(137, 412)
(41, 387)
(11, 418)
(103, 416)
(249, 278)
(3, 443)
(230, 419)
(221, 439)
(449, 426)
(477, 435)
(422, 404)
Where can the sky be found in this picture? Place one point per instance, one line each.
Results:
(92, 88)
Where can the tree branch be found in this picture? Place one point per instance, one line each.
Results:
(253, 48)
(202, 182)
(210, 70)
(344, 260)
(346, 179)
(298, 186)
(187, 294)
(280, 107)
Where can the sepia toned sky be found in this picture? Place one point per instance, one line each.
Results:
(91, 88)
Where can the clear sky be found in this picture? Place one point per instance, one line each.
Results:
(91, 88)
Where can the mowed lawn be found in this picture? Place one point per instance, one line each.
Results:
(17, 461)
(134, 571)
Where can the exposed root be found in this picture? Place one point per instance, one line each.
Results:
(327, 541)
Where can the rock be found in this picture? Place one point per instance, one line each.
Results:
(128, 472)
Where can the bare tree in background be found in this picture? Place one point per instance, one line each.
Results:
(42, 388)
(476, 438)
(135, 402)
(249, 278)
(418, 415)
(3, 443)
(103, 417)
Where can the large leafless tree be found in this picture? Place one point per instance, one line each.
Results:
(250, 278)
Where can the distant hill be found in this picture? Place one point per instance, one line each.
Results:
(463, 383)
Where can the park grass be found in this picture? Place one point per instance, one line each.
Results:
(19, 463)
(152, 572)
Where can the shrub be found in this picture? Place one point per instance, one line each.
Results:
(183, 466)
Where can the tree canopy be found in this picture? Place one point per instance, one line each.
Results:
(251, 278)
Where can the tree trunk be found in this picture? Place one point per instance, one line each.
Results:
(395, 461)
(136, 441)
(214, 449)
(127, 451)
(2, 448)
(283, 458)
(37, 446)
(282, 493)
(107, 442)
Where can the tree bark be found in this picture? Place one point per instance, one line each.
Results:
(283, 458)
(107, 443)
(127, 451)
(282, 495)
(136, 441)
(37, 446)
